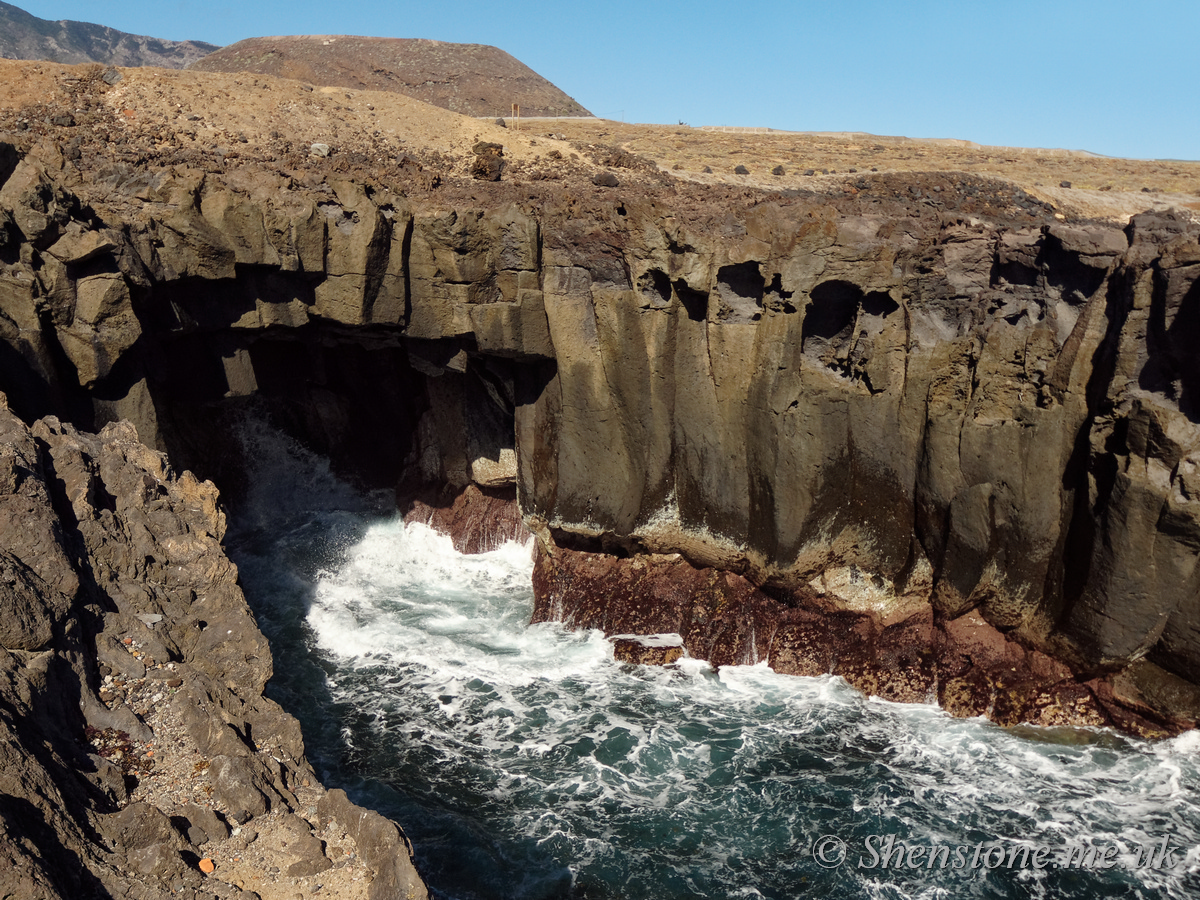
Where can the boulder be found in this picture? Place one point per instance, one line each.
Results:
(146, 836)
(200, 824)
(489, 161)
(242, 786)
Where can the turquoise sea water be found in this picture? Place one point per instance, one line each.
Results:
(524, 762)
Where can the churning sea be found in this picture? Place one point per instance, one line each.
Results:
(524, 762)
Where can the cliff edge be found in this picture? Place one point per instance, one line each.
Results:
(139, 757)
(920, 429)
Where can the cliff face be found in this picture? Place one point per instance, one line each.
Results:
(134, 737)
(973, 415)
(894, 422)
(923, 401)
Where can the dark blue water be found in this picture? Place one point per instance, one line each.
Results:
(524, 762)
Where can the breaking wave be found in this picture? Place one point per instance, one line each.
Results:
(525, 762)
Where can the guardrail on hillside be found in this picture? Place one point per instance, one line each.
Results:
(738, 129)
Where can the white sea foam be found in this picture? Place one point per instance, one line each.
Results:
(551, 767)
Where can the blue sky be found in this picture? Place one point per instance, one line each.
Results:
(1119, 78)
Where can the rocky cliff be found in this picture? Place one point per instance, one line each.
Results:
(138, 755)
(916, 430)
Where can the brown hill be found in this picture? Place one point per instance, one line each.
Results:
(472, 79)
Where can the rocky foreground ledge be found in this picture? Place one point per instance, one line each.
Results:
(138, 756)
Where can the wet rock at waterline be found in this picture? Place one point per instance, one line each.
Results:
(477, 519)
(566, 766)
(656, 606)
(647, 649)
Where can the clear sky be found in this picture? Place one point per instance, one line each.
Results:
(1119, 77)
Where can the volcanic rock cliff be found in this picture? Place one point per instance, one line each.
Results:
(136, 748)
(915, 430)
(899, 416)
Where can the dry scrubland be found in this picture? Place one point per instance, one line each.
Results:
(166, 117)
(1100, 186)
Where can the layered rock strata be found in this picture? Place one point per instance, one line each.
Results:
(914, 400)
(138, 755)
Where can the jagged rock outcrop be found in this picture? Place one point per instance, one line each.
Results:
(126, 649)
(477, 519)
(876, 402)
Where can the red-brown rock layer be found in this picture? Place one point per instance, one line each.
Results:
(906, 653)
(476, 519)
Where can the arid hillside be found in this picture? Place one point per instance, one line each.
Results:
(1075, 182)
(473, 79)
(222, 121)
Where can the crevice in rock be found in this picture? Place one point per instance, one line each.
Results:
(695, 303)
(655, 287)
(828, 331)
(1067, 272)
(406, 260)
(1172, 368)
(776, 298)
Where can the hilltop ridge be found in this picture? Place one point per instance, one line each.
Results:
(25, 36)
(472, 79)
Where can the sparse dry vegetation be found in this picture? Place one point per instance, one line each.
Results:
(218, 121)
(1100, 186)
